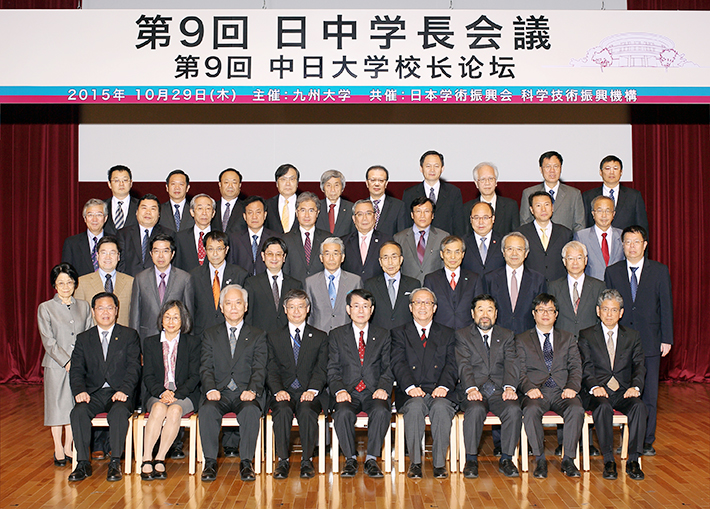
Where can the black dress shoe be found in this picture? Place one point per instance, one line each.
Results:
(540, 469)
(209, 471)
(593, 451)
(231, 452)
(114, 470)
(497, 452)
(81, 472)
(350, 468)
(307, 470)
(60, 463)
(415, 471)
(159, 474)
(246, 470)
(440, 473)
(633, 470)
(568, 468)
(147, 476)
(648, 450)
(610, 470)
(372, 469)
(470, 470)
(176, 454)
(558, 450)
(508, 468)
(282, 469)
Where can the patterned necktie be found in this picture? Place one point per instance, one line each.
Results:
(225, 217)
(201, 254)
(331, 290)
(547, 354)
(423, 337)
(331, 217)
(391, 292)
(307, 248)
(452, 283)
(275, 291)
(612, 383)
(296, 349)
(421, 247)
(513, 291)
(285, 217)
(361, 351)
(605, 249)
(104, 342)
(254, 249)
(575, 297)
(216, 288)
(432, 196)
(144, 244)
(120, 219)
(232, 346)
(634, 283)
(376, 204)
(483, 250)
(552, 195)
(177, 217)
(109, 284)
(94, 258)
(611, 195)
(545, 241)
(161, 287)
(363, 249)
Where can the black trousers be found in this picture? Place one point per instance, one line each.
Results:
(475, 413)
(603, 412)
(210, 417)
(570, 409)
(379, 417)
(306, 413)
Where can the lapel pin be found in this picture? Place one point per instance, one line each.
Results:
(310, 335)
(228, 282)
(116, 338)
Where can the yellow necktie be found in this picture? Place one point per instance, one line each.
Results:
(284, 217)
(544, 239)
(216, 289)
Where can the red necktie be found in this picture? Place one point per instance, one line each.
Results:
(201, 249)
(361, 351)
(605, 249)
(307, 248)
(453, 281)
(423, 338)
(331, 218)
(421, 248)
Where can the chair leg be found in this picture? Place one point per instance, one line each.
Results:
(139, 439)
(387, 449)
(335, 450)
(193, 442)
(129, 446)
(269, 455)
(258, 453)
(625, 441)
(321, 443)
(453, 447)
(585, 442)
(524, 448)
(400, 443)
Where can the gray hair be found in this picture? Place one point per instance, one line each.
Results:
(333, 240)
(308, 196)
(422, 288)
(481, 165)
(611, 294)
(574, 244)
(245, 294)
(602, 197)
(327, 175)
(360, 202)
(451, 239)
(517, 235)
(202, 195)
(95, 202)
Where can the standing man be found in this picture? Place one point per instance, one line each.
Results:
(569, 208)
(445, 196)
(420, 243)
(247, 243)
(455, 287)
(229, 210)
(190, 243)
(281, 209)
(296, 376)
(360, 377)
(645, 285)
(489, 374)
(485, 176)
(327, 290)
(335, 218)
(550, 378)
(484, 254)
(628, 203)
(362, 247)
(603, 241)
(232, 372)
(304, 240)
(174, 213)
(80, 250)
(105, 370)
(614, 371)
(424, 366)
(390, 213)
(121, 206)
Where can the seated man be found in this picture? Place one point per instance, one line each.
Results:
(233, 370)
(298, 360)
(614, 372)
(104, 373)
(361, 383)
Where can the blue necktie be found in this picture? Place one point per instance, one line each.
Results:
(177, 217)
(611, 195)
(331, 291)
(144, 244)
(120, 219)
(296, 349)
(432, 196)
(254, 249)
(634, 283)
(552, 195)
(547, 354)
(94, 258)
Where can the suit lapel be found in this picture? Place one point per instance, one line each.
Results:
(243, 341)
(536, 346)
(478, 345)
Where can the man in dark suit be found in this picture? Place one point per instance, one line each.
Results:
(483, 254)
(135, 239)
(335, 218)
(447, 197)
(80, 250)
(505, 210)
(645, 286)
(229, 210)
(190, 243)
(359, 376)
(613, 365)
(121, 206)
(489, 374)
(424, 366)
(267, 290)
(296, 376)
(174, 213)
(105, 370)
(392, 289)
(390, 213)
(362, 247)
(304, 241)
(628, 203)
(603, 241)
(515, 285)
(281, 209)
(454, 287)
(246, 244)
(550, 378)
(232, 371)
(546, 238)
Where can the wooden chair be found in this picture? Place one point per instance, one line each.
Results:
(399, 447)
(361, 421)
(270, 456)
(230, 419)
(188, 421)
(101, 421)
(490, 420)
(618, 419)
(550, 419)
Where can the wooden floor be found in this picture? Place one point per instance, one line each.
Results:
(677, 477)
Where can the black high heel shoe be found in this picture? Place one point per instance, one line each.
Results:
(147, 476)
(60, 463)
(157, 474)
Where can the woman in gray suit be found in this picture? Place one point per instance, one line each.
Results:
(60, 320)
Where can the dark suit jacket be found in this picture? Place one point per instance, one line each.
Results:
(167, 216)
(630, 208)
(273, 218)
(494, 257)
(475, 364)
(206, 315)
(393, 216)
(131, 240)
(240, 250)
(247, 367)
(586, 315)
(454, 306)
(77, 252)
(547, 262)
(353, 261)
(296, 265)
(566, 363)
(121, 369)
(531, 284)
(343, 223)
(262, 313)
(385, 315)
(236, 221)
(110, 226)
(187, 368)
(427, 368)
(344, 368)
(186, 251)
(449, 214)
(507, 215)
(652, 312)
(629, 368)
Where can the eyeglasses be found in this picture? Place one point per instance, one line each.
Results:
(296, 307)
(486, 180)
(215, 249)
(579, 258)
(387, 258)
(546, 311)
(633, 242)
(105, 308)
(120, 181)
(513, 249)
(481, 218)
(360, 215)
(551, 167)
(425, 303)
(94, 215)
